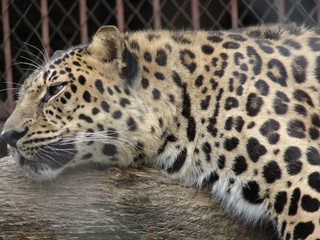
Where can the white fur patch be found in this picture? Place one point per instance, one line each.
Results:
(230, 195)
(232, 200)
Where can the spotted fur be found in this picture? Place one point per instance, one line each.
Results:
(237, 111)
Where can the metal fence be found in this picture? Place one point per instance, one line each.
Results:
(30, 30)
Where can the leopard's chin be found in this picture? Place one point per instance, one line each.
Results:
(36, 171)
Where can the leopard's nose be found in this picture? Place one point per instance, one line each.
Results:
(13, 136)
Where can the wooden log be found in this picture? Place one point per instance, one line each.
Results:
(110, 203)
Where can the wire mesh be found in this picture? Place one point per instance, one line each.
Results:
(32, 30)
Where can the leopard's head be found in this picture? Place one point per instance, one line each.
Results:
(82, 105)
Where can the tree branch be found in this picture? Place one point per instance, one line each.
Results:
(93, 203)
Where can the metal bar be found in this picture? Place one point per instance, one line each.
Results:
(7, 53)
(318, 12)
(281, 10)
(234, 14)
(45, 28)
(83, 21)
(157, 14)
(120, 15)
(195, 14)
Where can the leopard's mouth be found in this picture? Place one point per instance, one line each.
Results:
(22, 161)
(48, 162)
(25, 162)
(54, 155)
(36, 170)
(34, 165)
(19, 158)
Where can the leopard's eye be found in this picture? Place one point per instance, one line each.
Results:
(53, 90)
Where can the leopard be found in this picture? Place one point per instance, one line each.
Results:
(233, 110)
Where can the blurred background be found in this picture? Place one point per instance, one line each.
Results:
(31, 30)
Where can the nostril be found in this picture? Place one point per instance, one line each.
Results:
(13, 136)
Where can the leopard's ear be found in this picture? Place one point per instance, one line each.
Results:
(108, 45)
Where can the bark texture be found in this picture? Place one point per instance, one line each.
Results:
(101, 203)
